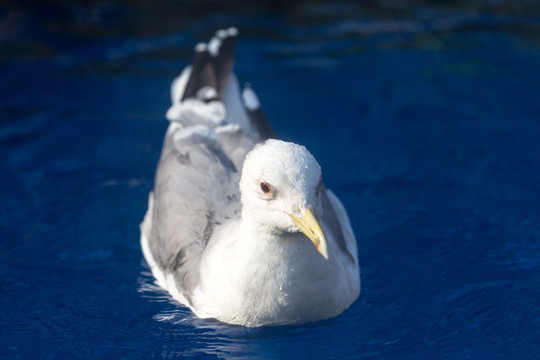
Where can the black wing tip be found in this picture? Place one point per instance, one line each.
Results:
(259, 123)
(221, 48)
(202, 72)
(212, 63)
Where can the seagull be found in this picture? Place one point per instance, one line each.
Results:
(240, 226)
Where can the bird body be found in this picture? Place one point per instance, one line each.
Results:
(233, 211)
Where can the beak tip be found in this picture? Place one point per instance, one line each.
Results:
(323, 251)
(312, 229)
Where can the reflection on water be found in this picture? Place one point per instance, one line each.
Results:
(211, 337)
(36, 29)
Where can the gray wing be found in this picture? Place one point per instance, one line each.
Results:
(196, 184)
(195, 190)
(335, 217)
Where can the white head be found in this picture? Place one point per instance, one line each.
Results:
(280, 187)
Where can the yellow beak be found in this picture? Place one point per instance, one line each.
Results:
(310, 226)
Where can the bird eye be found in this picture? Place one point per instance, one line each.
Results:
(265, 188)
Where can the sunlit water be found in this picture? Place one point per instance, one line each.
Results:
(424, 120)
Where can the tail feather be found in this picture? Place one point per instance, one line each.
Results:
(203, 74)
(211, 78)
(223, 58)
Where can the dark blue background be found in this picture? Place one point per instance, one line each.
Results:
(424, 118)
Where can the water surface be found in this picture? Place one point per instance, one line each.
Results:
(424, 119)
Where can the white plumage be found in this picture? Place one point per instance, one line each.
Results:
(231, 217)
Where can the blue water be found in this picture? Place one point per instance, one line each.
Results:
(424, 118)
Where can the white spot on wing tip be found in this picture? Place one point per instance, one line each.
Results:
(224, 33)
(221, 33)
(214, 45)
(200, 47)
(207, 93)
(251, 101)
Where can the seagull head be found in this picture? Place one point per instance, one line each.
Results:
(280, 186)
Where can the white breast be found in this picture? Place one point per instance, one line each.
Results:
(252, 280)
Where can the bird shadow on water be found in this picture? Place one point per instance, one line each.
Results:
(212, 337)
